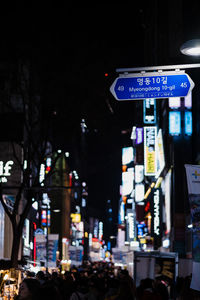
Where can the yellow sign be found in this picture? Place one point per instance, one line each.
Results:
(76, 218)
(142, 241)
(150, 161)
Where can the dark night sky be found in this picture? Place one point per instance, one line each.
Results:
(72, 47)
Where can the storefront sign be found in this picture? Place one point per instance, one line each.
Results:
(5, 170)
(139, 173)
(139, 135)
(150, 150)
(160, 153)
(131, 225)
(11, 160)
(174, 122)
(149, 111)
(156, 201)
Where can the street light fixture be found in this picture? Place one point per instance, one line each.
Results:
(191, 48)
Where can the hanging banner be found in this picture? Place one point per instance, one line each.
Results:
(150, 160)
(42, 246)
(160, 153)
(52, 249)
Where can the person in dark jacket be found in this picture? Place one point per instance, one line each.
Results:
(28, 288)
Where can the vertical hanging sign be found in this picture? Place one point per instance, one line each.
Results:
(150, 161)
(149, 111)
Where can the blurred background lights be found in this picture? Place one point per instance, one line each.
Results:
(67, 154)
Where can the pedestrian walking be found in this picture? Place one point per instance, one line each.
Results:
(27, 289)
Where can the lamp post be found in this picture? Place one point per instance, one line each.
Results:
(191, 48)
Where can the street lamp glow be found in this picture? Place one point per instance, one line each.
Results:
(191, 48)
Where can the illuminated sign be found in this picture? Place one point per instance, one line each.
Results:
(188, 101)
(150, 161)
(42, 174)
(175, 102)
(90, 239)
(168, 201)
(10, 162)
(166, 243)
(26, 232)
(160, 153)
(83, 202)
(133, 133)
(139, 192)
(76, 218)
(139, 135)
(45, 199)
(127, 173)
(131, 224)
(127, 183)
(122, 213)
(140, 228)
(155, 85)
(127, 155)
(100, 231)
(188, 123)
(139, 173)
(120, 238)
(174, 122)
(48, 165)
(149, 111)
(5, 169)
(156, 213)
(96, 228)
(46, 215)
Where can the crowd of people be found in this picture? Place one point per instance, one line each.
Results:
(95, 281)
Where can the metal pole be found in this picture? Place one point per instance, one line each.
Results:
(157, 68)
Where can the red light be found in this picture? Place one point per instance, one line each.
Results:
(34, 226)
(106, 74)
(70, 179)
(147, 207)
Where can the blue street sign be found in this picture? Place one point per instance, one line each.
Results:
(154, 85)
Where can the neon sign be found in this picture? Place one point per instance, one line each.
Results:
(150, 162)
(5, 170)
(174, 122)
(156, 211)
(149, 111)
(188, 123)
